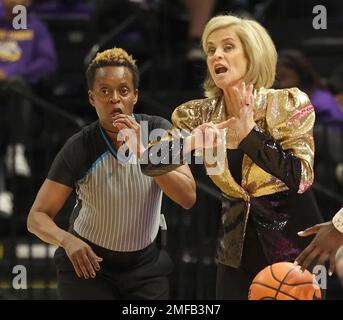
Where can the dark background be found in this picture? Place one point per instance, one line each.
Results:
(156, 36)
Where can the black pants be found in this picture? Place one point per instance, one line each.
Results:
(232, 283)
(123, 275)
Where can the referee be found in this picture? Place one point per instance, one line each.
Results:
(110, 249)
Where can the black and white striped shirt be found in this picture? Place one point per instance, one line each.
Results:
(117, 206)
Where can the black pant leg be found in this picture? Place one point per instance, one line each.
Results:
(234, 284)
(150, 280)
(71, 287)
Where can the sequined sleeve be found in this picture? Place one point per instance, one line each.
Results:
(268, 154)
(163, 156)
(286, 150)
(189, 115)
(168, 153)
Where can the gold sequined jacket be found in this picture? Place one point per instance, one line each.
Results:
(277, 169)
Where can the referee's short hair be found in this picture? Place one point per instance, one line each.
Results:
(112, 58)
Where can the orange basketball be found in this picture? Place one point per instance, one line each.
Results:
(284, 281)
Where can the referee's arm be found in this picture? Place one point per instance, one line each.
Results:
(49, 201)
(179, 185)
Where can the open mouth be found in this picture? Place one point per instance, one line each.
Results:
(220, 69)
(115, 112)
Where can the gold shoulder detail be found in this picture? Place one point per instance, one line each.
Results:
(191, 114)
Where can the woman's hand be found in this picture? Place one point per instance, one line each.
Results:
(82, 256)
(240, 101)
(205, 136)
(132, 137)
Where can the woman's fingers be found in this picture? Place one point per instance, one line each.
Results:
(208, 135)
(76, 268)
(238, 95)
(88, 265)
(124, 122)
(82, 267)
(250, 94)
(243, 90)
(230, 123)
(94, 259)
(85, 263)
(207, 126)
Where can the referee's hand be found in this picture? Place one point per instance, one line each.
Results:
(82, 256)
(132, 138)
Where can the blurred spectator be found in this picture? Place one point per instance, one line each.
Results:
(335, 84)
(26, 57)
(63, 8)
(195, 69)
(295, 70)
(109, 14)
(200, 12)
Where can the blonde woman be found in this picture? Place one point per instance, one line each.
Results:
(269, 165)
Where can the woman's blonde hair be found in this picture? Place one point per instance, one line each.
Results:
(258, 47)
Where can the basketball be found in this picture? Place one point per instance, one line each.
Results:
(284, 281)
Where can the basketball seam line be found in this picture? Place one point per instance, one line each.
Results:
(297, 284)
(288, 284)
(282, 282)
(273, 275)
(277, 290)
